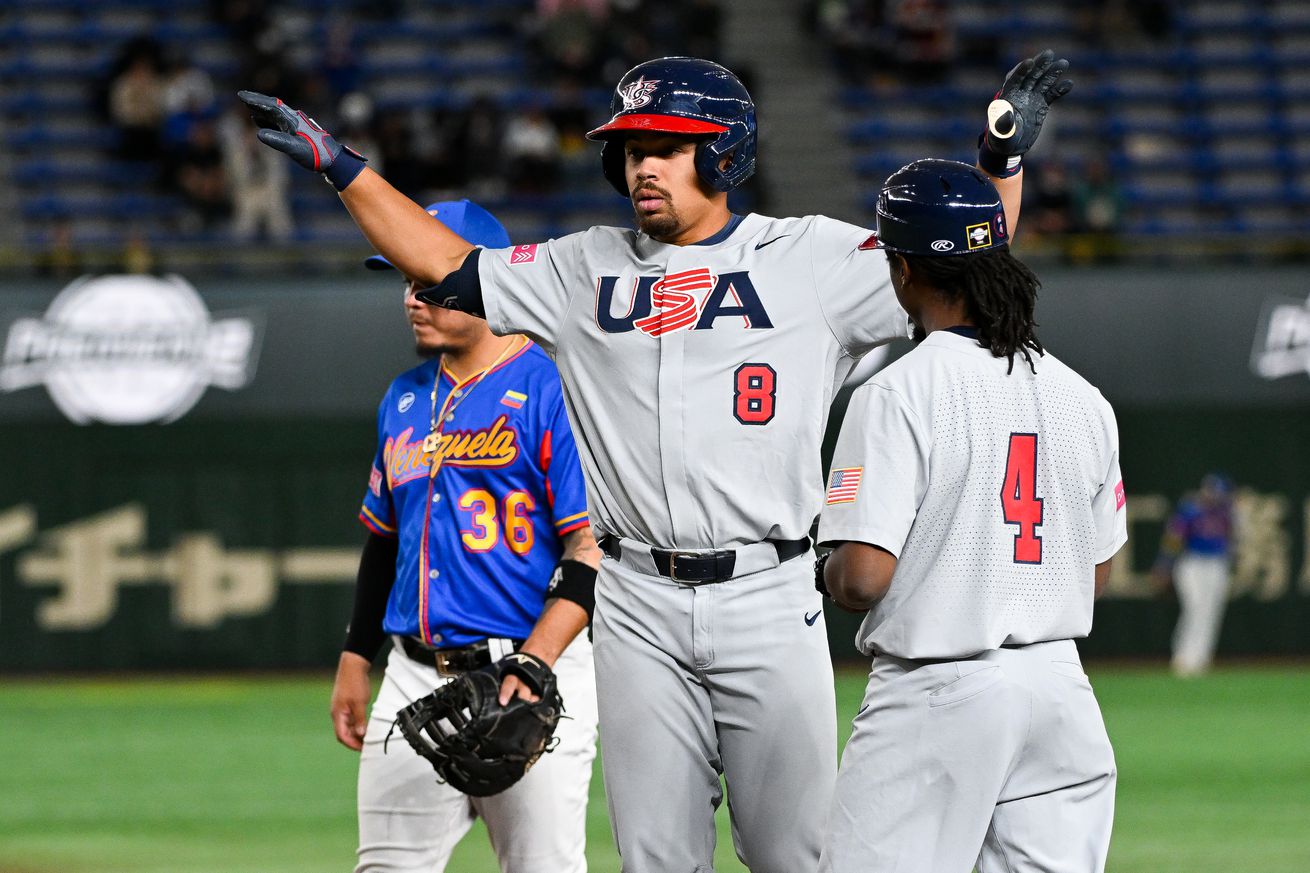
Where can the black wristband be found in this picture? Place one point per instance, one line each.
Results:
(344, 169)
(998, 165)
(820, 585)
(576, 582)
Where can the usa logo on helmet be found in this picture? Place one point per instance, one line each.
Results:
(637, 94)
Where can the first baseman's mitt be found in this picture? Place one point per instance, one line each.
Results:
(475, 744)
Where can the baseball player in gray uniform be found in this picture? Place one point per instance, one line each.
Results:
(699, 354)
(975, 502)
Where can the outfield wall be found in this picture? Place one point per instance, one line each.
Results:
(227, 538)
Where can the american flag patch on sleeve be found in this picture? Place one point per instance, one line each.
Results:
(844, 484)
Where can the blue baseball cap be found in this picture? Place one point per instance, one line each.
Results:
(464, 217)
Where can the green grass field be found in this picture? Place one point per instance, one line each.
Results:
(242, 775)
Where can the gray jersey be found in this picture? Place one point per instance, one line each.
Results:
(699, 377)
(997, 492)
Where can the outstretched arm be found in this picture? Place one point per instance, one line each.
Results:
(420, 247)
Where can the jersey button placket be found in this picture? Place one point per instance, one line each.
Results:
(672, 453)
(702, 625)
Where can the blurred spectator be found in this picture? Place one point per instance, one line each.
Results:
(136, 108)
(430, 149)
(245, 20)
(137, 256)
(923, 39)
(188, 98)
(569, 37)
(573, 116)
(1195, 555)
(199, 176)
(477, 138)
(186, 86)
(856, 30)
(531, 151)
(355, 114)
(1051, 211)
(258, 180)
(127, 54)
(60, 258)
(395, 139)
(1107, 23)
(340, 67)
(1098, 207)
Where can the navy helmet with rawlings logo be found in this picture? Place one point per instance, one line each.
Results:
(934, 207)
(684, 96)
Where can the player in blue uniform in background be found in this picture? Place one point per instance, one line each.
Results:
(479, 544)
(1195, 550)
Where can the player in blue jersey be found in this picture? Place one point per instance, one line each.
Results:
(1195, 553)
(479, 544)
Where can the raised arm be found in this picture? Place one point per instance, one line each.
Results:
(419, 246)
(1014, 119)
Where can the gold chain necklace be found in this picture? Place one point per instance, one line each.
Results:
(431, 441)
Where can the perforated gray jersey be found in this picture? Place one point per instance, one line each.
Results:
(698, 378)
(998, 493)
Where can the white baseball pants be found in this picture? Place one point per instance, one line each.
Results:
(728, 677)
(1202, 585)
(409, 822)
(1000, 761)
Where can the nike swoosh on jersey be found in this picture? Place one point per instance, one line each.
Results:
(759, 246)
(811, 619)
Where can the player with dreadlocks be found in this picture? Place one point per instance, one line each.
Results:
(998, 291)
(992, 509)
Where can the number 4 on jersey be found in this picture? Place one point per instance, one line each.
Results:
(1019, 500)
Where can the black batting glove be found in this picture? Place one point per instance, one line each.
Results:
(302, 138)
(1015, 116)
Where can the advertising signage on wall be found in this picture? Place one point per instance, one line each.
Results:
(128, 349)
(1282, 341)
(81, 567)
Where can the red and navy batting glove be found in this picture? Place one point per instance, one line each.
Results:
(1016, 114)
(296, 134)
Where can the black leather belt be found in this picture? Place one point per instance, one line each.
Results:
(703, 566)
(451, 661)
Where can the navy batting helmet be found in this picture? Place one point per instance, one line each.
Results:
(686, 96)
(934, 207)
